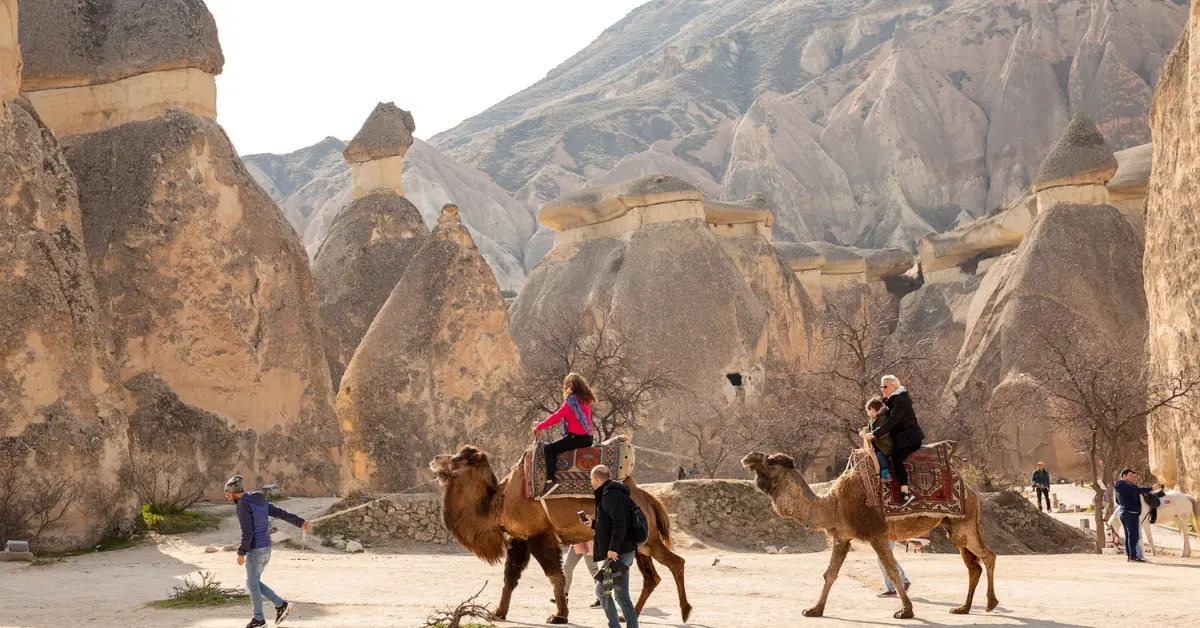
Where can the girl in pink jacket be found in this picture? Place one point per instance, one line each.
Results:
(574, 419)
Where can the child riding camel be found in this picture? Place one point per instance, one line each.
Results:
(574, 418)
(876, 415)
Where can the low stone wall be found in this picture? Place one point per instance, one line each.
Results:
(399, 518)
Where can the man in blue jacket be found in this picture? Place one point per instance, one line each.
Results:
(254, 513)
(1129, 497)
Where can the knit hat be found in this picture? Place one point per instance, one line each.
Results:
(234, 485)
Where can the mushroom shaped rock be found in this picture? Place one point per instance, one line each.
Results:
(800, 257)
(589, 206)
(386, 133)
(840, 260)
(1133, 173)
(208, 288)
(432, 366)
(1080, 157)
(361, 260)
(753, 209)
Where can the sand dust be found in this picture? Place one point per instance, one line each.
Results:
(397, 589)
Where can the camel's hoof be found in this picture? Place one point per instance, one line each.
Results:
(961, 610)
(814, 612)
(992, 604)
(500, 616)
(556, 619)
(904, 614)
(687, 612)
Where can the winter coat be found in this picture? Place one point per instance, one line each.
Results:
(612, 523)
(254, 513)
(882, 443)
(901, 423)
(1041, 478)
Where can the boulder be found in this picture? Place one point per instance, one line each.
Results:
(432, 366)
(386, 133)
(1172, 248)
(1080, 157)
(210, 295)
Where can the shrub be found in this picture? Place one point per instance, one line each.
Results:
(205, 594)
(170, 519)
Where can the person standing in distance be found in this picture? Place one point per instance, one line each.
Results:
(1041, 484)
(613, 542)
(254, 513)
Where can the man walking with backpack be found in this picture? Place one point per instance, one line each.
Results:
(619, 528)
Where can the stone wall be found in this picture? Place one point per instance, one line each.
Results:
(399, 518)
(732, 514)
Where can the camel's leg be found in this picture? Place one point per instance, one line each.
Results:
(545, 550)
(675, 563)
(974, 570)
(965, 534)
(840, 549)
(518, 559)
(650, 578)
(880, 545)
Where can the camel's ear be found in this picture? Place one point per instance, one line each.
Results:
(782, 460)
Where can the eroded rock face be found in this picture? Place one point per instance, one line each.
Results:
(1172, 262)
(428, 375)
(358, 265)
(62, 412)
(209, 291)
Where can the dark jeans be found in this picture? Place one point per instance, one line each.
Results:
(1130, 520)
(567, 443)
(622, 598)
(1043, 492)
(899, 455)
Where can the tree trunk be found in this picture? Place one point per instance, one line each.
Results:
(1097, 497)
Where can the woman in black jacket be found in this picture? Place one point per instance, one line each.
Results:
(902, 424)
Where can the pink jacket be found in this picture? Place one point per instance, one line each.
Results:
(567, 418)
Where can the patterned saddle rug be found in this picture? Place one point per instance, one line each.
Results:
(574, 473)
(933, 478)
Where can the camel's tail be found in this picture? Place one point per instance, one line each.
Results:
(661, 518)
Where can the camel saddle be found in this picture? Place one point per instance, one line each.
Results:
(574, 472)
(937, 486)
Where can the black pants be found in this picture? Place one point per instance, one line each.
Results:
(566, 443)
(1043, 492)
(899, 455)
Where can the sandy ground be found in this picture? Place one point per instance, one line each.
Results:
(398, 588)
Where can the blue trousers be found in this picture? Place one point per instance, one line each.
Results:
(887, 582)
(1130, 521)
(622, 598)
(256, 562)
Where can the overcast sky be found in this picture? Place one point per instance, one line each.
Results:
(297, 71)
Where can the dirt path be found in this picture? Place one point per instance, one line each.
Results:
(397, 590)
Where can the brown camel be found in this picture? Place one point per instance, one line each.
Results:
(493, 519)
(844, 515)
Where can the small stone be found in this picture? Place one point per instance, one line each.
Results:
(786, 549)
(230, 548)
(339, 545)
(211, 549)
(353, 547)
(771, 549)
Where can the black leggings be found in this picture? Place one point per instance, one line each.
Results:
(899, 455)
(564, 444)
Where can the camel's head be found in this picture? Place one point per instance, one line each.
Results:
(769, 471)
(470, 458)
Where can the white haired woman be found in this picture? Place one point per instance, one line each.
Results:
(902, 424)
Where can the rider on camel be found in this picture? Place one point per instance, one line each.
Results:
(906, 434)
(574, 418)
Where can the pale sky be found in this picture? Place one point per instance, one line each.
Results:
(297, 71)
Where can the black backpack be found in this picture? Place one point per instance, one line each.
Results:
(639, 527)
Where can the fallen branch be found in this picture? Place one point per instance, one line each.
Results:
(453, 617)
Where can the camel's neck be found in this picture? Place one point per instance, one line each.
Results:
(802, 504)
(472, 506)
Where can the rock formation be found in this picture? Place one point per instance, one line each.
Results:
(313, 185)
(634, 256)
(864, 122)
(371, 240)
(1128, 187)
(62, 409)
(1172, 251)
(212, 304)
(429, 374)
(1078, 168)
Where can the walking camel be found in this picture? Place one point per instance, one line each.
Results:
(480, 511)
(844, 515)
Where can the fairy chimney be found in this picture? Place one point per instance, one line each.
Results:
(206, 286)
(376, 154)
(1077, 169)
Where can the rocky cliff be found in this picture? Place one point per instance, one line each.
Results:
(1172, 250)
(868, 122)
(429, 374)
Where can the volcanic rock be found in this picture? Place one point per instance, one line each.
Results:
(1081, 157)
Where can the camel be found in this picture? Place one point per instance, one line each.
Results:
(492, 519)
(844, 515)
(1177, 507)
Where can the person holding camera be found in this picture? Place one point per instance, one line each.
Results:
(614, 543)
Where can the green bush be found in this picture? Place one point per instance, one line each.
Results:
(205, 594)
(168, 519)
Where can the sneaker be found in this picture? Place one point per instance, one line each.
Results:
(256, 623)
(888, 594)
(905, 499)
(596, 604)
(281, 612)
(550, 488)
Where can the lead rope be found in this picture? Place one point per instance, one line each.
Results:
(304, 533)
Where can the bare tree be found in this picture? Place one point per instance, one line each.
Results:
(625, 382)
(719, 435)
(31, 504)
(1099, 392)
(162, 478)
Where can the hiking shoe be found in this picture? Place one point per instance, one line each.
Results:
(256, 623)
(281, 612)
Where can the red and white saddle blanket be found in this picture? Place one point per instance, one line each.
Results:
(574, 473)
(933, 478)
